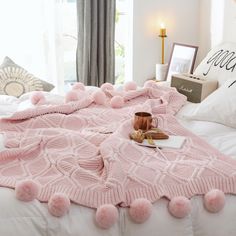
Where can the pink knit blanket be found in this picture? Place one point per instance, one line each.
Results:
(83, 150)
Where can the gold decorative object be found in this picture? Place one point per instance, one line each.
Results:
(162, 35)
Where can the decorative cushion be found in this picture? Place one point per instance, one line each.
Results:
(219, 64)
(15, 80)
(219, 107)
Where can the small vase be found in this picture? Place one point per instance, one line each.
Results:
(161, 70)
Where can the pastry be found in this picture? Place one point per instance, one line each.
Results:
(137, 136)
(156, 133)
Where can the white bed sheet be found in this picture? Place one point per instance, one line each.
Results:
(33, 219)
(218, 135)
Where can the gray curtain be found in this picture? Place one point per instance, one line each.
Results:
(95, 59)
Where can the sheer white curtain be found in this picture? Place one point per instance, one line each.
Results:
(32, 36)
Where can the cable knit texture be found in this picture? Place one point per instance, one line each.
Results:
(82, 149)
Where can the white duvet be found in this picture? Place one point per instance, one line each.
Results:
(32, 219)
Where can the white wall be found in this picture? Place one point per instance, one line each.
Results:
(181, 18)
(230, 21)
(217, 23)
(204, 28)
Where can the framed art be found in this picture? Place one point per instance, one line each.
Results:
(182, 59)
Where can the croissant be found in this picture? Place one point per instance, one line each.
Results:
(137, 136)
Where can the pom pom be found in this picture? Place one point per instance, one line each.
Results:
(131, 85)
(99, 97)
(149, 84)
(26, 190)
(78, 86)
(140, 210)
(106, 216)
(117, 102)
(58, 204)
(107, 86)
(179, 207)
(37, 98)
(72, 96)
(214, 200)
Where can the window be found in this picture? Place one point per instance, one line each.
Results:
(69, 40)
(123, 36)
(41, 37)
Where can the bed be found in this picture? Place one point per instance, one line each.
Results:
(33, 218)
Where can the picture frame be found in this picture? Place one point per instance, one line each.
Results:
(182, 59)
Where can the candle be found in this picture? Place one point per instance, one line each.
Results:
(162, 30)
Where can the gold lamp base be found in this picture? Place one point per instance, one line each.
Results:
(163, 48)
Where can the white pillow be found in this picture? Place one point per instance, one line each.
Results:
(219, 64)
(8, 105)
(220, 106)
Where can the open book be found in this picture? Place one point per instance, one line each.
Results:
(172, 142)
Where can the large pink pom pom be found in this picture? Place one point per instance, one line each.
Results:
(149, 84)
(78, 86)
(107, 86)
(99, 97)
(106, 216)
(26, 190)
(214, 200)
(58, 204)
(117, 102)
(72, 96)
(131, 85)
(37, 98)
(179, 207)
(140, 210)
